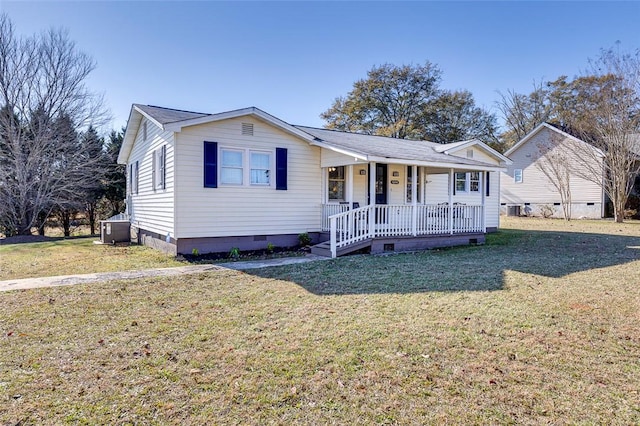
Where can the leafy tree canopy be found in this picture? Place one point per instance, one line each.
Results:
(406, 102)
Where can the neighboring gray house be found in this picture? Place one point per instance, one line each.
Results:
(245, 178)
(527, 190)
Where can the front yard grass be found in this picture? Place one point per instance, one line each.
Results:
(76, 256)
(539, 326)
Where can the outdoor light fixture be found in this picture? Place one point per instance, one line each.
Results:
(363, 172)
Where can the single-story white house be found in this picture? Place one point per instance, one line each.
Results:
(526, 189)
(244, 179)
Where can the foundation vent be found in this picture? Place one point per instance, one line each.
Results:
(247, 129)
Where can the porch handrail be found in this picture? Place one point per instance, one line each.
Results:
(349, 227)
(389, 220)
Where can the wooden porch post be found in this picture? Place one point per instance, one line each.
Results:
(414, 199)
(483, 189)
(372, 199)
(452, 183)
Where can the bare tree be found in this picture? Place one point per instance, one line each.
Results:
(612, 125)
(554, 161)
(522, 113)
(42, 84)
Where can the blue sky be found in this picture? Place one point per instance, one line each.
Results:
(292, 59)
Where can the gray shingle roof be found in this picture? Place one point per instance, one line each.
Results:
(380, 146)
(168, 115)
(359, 144)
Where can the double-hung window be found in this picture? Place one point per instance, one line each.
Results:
(410, 182)
(336, 183)
(158, 168)
(245, 167)
(461, 182)
(232, 167)
(517, 175)
(474, 181)
(467, 182)
(260, 168)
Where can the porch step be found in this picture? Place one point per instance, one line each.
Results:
(324, 248)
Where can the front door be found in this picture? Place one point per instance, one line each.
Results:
(381, 184)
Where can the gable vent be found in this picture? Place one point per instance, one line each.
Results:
(247, 129)
(469, 153)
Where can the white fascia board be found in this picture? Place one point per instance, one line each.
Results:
(253, 111)
(148, 117)
(486, 148)
(552, 128)
(355, 155)
(133, 124)
(438, 164)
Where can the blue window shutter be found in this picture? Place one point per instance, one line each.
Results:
(281, 168)
(487, 174)
(210, 164)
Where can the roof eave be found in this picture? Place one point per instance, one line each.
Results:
(477, 142)
(252, 111)
(437, 164)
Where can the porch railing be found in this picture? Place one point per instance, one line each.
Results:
(351, 226)
(330, 210)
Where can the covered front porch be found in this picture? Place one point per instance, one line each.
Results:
(411, 207)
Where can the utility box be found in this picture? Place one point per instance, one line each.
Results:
(116, 229)
(513, 211)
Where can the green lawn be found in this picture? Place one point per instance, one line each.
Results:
(539, 326)
(76, 256)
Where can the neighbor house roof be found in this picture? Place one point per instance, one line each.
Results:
(539, 128)
(363, 147)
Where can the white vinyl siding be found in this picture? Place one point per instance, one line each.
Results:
(436, 192)
(153, 209)
(535, 187)
(232, 210)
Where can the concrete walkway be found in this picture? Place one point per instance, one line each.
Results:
(61, 280)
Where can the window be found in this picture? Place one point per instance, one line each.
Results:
(410, 181)
(474, 181)
(158, 168)
(517, 175)
(231, 167)
(133, 178)
(244, 167)
(461, 182)
(467, 182)
(336, 183)
(260, 168)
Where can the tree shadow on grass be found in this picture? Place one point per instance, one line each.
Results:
(479, 268)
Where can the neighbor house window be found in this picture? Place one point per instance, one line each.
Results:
(231, 167)
(461, 182)
(336, 183)
(260, 168)
(474, 181)
(517, 175)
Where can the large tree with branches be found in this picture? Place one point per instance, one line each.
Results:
(44, 104)
(406, 102)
